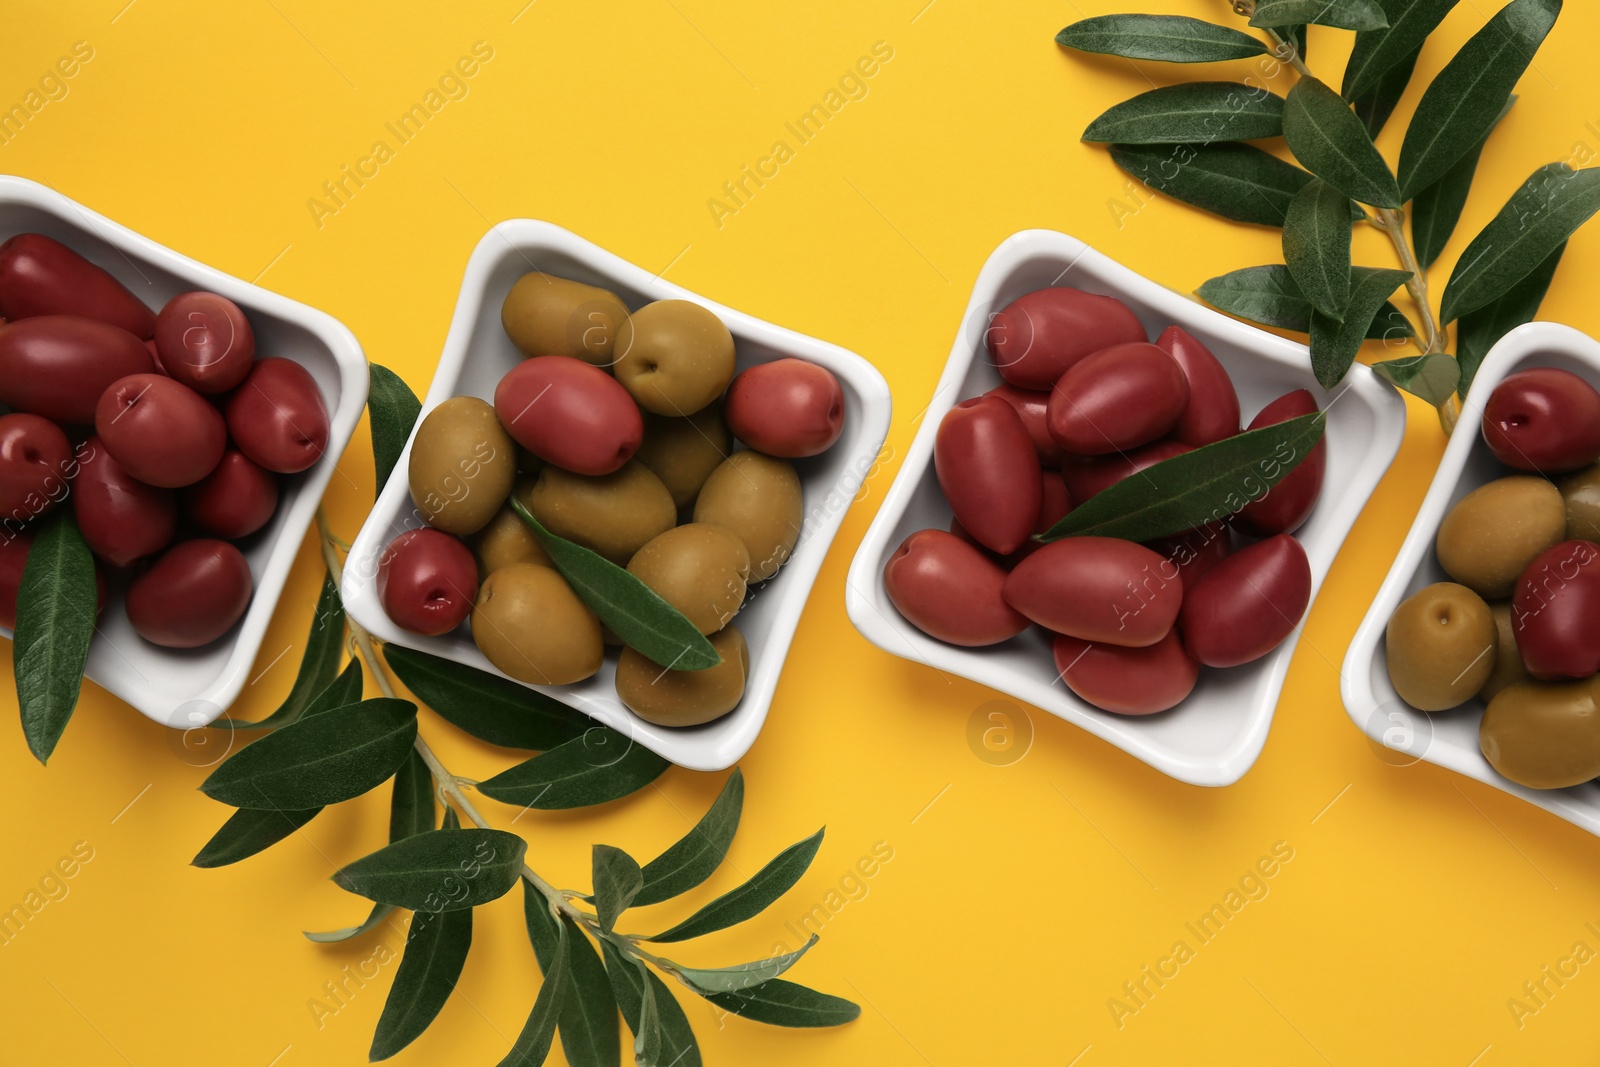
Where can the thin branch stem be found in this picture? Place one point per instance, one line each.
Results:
(1394, 226)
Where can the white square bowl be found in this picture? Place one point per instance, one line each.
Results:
(1215, 735)
(189, 688)
(1450, 738)
(477, 354)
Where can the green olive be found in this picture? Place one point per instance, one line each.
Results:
(1508, 665)
(531, 625)
(462, 466)
(549, 316)
(698, 568)
(685, 698)
(684, 452)
(1543, 736)
(613, 514)
(1580, 491)
(1441, 647)
(674, 356)
(1493, 533)
(507, 540)
(758, 498)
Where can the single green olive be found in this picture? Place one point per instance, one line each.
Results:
(685, 698)
(1508, 666)
(1580, 491)
(462, 466)
(758, 498)
(1493, 533)
(698, 568)
(683, 452)
(507, 539)
(612, 514)
(674, 356)
(549, 316)
(1441, 647)
(1544, 736)
(531, 625)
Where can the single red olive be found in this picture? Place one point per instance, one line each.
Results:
(122, 519)
(58, 365)
(277, 416)
(1247, 604)
(1193, 553)
(161, 431)
(35, 463)
(1287, 505)
(14, 546)
(1127, 681)
(1085, 476)
(1555, 612)
(1097, 589)
(1034, 409)
(989, 472)
(233, 501)
(790, 408)
(1116, 399)
(191, 596)
(1038, 336)
(1545, 420)
(950, 590)
(205, 342)
(427, 581)
(41, 276)
(569, 413)
(1212, 413)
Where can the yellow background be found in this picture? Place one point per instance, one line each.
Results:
(1020, 901)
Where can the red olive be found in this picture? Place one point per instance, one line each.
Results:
(1194, 552)
(1544, 420)
(1034, 409)
(1247, 604)
(1087, 475)
(569, 413)
(950, 590)
(427, 581)
(205, 342)
(233, 501)
(989, 472)
(1038, 336)
(14, 546)
(191, 596)
(1212, 413)
(161, 432)
(35, 461)
(1555, 612)
(122, 519)
(42, 276)
(1127, 681)
(277, 417)
(1287, 505)
(1116, 399)
(790, 408)
(1097, 589)
(58, 365)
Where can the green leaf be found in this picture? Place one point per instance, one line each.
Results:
(440, 870)
(1268, 295)
(1466, 99)
(318, 761)
(1544, 211)
(56, 605)
(411, 806)
(698, 853)
(430, 966)
(781, 1003)
(1206, 485)
(1237, 181)
(743, 976)
(539, 1032)
(588, 1025)
(647, 1040)
(1334, 344)
(1168, 38)
(1330, 141)
(392, 409)
(1376, 52)
(379, 913)
(1316, 246)
(1432, 377)
(632, 610)
(1202, 112)
(324, 649)
(751, 898)
(628, 983)
(1481, 330)
(600, 766)
(1436, 209)
(617, 880)
(1340, 14)
(341, 693)
(1374, 106)
(250, 831)
(486, 706)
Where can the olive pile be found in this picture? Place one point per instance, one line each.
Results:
(163, 429)
(617, 432)
(1519, 625)
(1087, 402)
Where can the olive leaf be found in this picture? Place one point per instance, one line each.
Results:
(783, 1003)
(430, 966)
(441, 870)
(1480, 330)
(588, 1024)
(1268, 295)
(1378, 51)
(629, 983)
(1340, 14)
(647, 1037)
(56, 605)
(1237, 181)
(1199, 112)
(1432, 377)
(486, 706)
(742, 976)
(539, 1032)
(600, 766)
(1335, 343)
(693, 858)
(249, 831)
(392, 409)
(1436, 209)
(319, 665)
(1316, 246)
(751, 898)
(1168, 38)
(341, 693)
(617, 880)
(1331, 142)
(1374, 106)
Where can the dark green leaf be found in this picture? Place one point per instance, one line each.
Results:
(628, 983)
(1334, 344)
(56, 604)
(1544, 211)
(250, 831)
(1169, 38)
(1376, 52)
(647, 1039)
(749, 899)
(743, 976)
(1237, 181)
(324, 649)
(435, 952)
(617, 880)
(781, 1003)
(1316, 246)
(1206, 485)
(1330, 141)
(1466, 99)
(539, 1032)
(632, 610)
(411, 806)
(441, 870)
(1481, 330)
(379, 913)
(344, 691)
(698, 853)
(1201, 112)
(1432, 377)
(1436, 209)
(600, 766)
(1375, 105)
(392, 409)
(589, 1015)
(1269, 295)
(1340, 14)
(488, 707)
(318, 761)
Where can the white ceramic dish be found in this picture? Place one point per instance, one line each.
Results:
(477, 354)
(187, 689)
(1450, 739)
(1217, 733)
